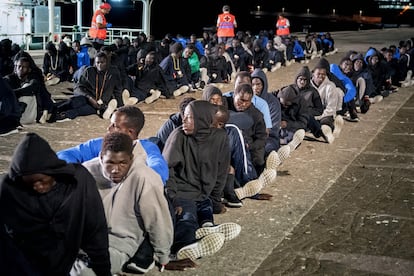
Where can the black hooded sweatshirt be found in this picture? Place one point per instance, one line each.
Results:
(198, 163)
(50, 228)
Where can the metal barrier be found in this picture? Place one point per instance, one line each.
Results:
(38, 41)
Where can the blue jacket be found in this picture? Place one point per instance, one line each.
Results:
(90, 149)
(350, 92)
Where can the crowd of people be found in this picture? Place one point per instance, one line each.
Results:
(155, 199)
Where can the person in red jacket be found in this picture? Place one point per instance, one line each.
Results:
(226, 23)
(97, 32)
(282, 26)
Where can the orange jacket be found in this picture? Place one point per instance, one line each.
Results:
(282, 27)
(94, 31)
(225, 25)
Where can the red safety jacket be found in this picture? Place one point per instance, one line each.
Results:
(225, 25)
(282, 27)
(94, 31)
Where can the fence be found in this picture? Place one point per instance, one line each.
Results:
(38, 41)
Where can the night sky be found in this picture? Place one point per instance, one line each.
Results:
(188, 16)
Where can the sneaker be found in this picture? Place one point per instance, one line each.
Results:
(283, 153)
(249, 189)
(133, 267)
(376, 99)
(155, 94)
(273, 160)
(297, 139)
(327, 134)
(61, 117)
(267, 177)
(233, 202)
(110, 109)
(230, 230)
(207, 246)
(338, 124)
(183, 89)
(219, 85)
(365, 105)
(52, 81)
(352, 118)
(7, 133)
(276, 67)
(127, 99)
(44, 117)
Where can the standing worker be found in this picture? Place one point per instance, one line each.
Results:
(99, 25)
(282, 26)
(226, 23)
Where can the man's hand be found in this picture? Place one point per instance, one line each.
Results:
(178, 210)
(180, 265)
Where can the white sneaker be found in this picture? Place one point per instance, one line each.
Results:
(297, 139)
(338, 124)
(13, 131)
(110, 109)
(183, 89)
(284, 153)
(267, 177)
(44, 117)
(127, 99)
(376, 99)
(230, 230)
(272, 160)
(276, 67)
(207, 246)
(249, 189)
(52, 81)
(327, 133)
(155, 94)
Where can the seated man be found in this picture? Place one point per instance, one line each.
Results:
(198, 157)
(328, 124)
(98, 91)
(148, 78)
(134, 201)
(255, 134)
(173, 69)
(175, 120)
(27, 89)
(129, 120)
(9, 110)
(51, 210)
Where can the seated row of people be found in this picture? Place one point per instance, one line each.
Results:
(222, 149)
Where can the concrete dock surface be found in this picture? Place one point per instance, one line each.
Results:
(345, 208)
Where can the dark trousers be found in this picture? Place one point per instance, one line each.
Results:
(193, 215)
(76, 106)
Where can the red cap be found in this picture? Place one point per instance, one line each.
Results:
(105, 6)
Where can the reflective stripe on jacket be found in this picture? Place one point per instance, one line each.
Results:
(225, 25)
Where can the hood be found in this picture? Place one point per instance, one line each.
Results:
(34, 155)
(210, 91)
(371, 52)
(203, 113)
(288, 93)
(258, 73)
(305, 72)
